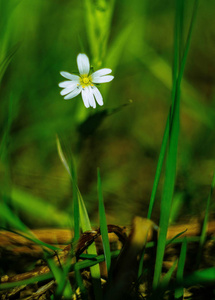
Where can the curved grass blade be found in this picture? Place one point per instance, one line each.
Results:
(72, 174)
(159, 167)
(60, 275)
(103, 224)
(16, 223)
(179, 275)
(84, 221)
(158, 292)
(205, 222)
(38, 208)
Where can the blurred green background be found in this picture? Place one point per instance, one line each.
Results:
(38, 39)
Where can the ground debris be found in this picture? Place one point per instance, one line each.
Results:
(132, 242)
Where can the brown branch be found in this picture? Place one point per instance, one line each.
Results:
(13, 244)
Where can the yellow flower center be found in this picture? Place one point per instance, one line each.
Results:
(85, 80)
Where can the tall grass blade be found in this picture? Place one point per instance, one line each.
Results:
(103, 224)
(205, 222)
(159, 167)
(71, 171)
(84, 222)
(75, 203)
(90, 26)
(179, 276)
(170, 171)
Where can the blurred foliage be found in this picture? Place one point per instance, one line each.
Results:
(41, 38)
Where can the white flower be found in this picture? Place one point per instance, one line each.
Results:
(85, 83)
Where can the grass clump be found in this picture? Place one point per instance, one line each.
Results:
(140, 261)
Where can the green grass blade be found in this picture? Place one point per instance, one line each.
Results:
(14, 222)
(159, 167)
(188, 41)
(80, 283)
(103, 224)
(180, 271)
(206, 276)
(62, 157)
(157, 293)
(177, 204)
(175, 237)
(38, 208)
(75, 203)
(63, 285)
(170, 172)
(181, 30)
(114, 53)
(6, 61)
(166, 279)
(202, 277)
(176, 58)
(5, 138)
(84, 222)
(90, 27)
(86, 226)
(10, 285)
(205, 222)
(72, 173)
(78, 266)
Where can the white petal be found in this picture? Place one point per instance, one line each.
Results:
(65, 91)
(85, 98)
(70, 76)
(74, 93)
(103, 79)
(97, 95)
(83, 64)
(64, 84)
(101, 72)
(69, 88)
(89, 95)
